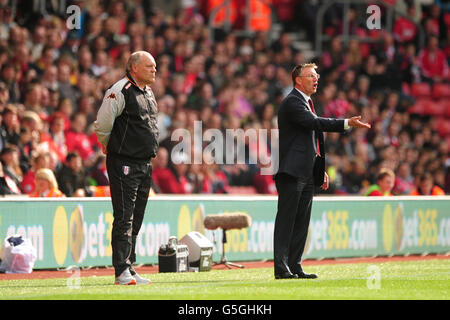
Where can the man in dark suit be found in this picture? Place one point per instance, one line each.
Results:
(301, 167)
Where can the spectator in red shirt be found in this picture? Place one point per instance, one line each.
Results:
(160, 170)
(338, 107)
(180, 183)
(404, 182)
(334, 57)
(404, 29)
(433, 63)
(264, 183)
(65, 108)
(213, 179)
(41, 160)
(163, 177)
(191, 71)
(171, 179)
(76, 138)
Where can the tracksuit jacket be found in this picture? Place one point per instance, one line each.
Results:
(126, 121)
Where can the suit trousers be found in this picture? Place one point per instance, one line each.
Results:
(130, 184)
(292, 221)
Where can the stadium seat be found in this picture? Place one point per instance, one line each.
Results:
(242, 190)
(441, 90)
(433, 108)
(447, 126)
(437, 123)
(447, 19)
(416, 108)
(444, 128)
(421, 90)
(406, 88)
(423, 106)
(446, 108)
(426, 104)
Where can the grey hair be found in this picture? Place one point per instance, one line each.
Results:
(134, 59)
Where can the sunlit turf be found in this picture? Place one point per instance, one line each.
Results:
(408, 280)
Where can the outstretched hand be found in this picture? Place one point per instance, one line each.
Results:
(356, 123)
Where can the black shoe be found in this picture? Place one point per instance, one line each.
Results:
(302, 275)
(286, 275)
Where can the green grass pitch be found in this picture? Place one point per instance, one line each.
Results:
(406, 280)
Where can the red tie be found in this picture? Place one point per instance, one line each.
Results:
(311, 105)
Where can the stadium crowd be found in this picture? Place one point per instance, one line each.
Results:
(52, 82)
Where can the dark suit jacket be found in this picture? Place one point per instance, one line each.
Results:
(298, 130)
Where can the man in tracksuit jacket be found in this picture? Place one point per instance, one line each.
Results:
(126, 126)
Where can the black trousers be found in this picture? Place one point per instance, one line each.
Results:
(130, 186)
(292, 222)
